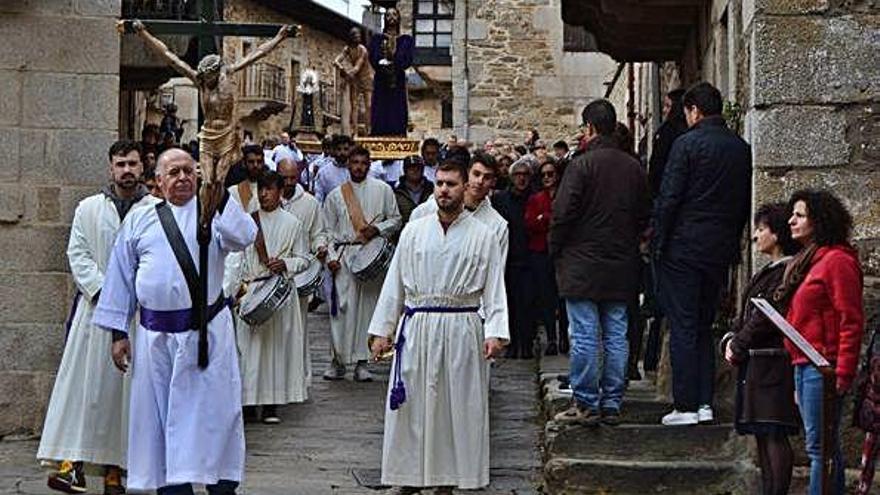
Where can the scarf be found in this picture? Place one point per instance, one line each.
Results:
(123, 205)
(795, 272)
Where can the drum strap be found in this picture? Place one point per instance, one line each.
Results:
(244, 193)
(355, 213)
(182, 254)
(260, 242)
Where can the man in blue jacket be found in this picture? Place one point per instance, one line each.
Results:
(699, 216)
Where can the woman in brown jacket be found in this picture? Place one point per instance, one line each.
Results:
(765, 385)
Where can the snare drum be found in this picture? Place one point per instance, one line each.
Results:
(263, 299)
(309, 281)
(372, 259)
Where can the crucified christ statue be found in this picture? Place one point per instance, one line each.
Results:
(218, 139)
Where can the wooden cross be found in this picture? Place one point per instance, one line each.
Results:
(206, 28)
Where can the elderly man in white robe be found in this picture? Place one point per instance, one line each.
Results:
(307, 210)
(273, 353)
(481, 178)
(437, 422)
(245, 192)
(86, 421)
(355, 213)
(186, 420)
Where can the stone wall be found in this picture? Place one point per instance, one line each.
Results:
(814, 108)
(313, 49)
(510, 73)
(58, 117)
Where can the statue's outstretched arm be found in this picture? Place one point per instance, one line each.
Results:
(162, 50)
(262, 50)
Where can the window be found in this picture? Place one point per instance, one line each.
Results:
(432, 30)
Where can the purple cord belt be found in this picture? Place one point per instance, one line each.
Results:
(398, 390)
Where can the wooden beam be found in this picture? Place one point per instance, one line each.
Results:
(213, 29)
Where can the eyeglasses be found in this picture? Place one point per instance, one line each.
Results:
(548, 174)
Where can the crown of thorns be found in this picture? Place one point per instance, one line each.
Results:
(210, 63)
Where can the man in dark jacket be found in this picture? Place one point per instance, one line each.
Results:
(699, 218)
(600, 211)
(511, 204)
(413, 188)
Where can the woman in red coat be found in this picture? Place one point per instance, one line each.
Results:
(823, 285)
(545, 301)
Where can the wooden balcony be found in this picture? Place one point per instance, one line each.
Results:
(262, 90)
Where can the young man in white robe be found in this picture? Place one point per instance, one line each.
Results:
(272, 354)
(86, 421)
(482, 173)
(245, 192)
(437, 421)
(355, 213)
(307, 210)
(186, 420)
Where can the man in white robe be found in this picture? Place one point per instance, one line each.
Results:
(86, 422)
(245, 192)
(307, 210)
(272, 354)
(437, 422)
(481, 176)
(188, 419)
(369, 211)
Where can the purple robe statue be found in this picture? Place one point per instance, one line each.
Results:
(389, 106)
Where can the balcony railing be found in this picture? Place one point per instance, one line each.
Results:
(263, 82)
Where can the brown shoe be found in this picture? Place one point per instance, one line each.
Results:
(576, 414)
(113, 481)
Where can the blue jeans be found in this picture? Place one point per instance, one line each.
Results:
(808, 387)
(223, 487)
(594, 389)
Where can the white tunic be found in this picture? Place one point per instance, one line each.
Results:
(254, 203)
(440, 435)
(307, 210)
(485, 213)
(356, 299)
(273, 355)
(87, 417)
(188, 420)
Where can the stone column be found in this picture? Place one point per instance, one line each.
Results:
(59, 88)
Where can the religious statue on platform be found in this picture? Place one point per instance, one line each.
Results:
(308, 86)
(391, 53)
(354, 63)
(218, 140)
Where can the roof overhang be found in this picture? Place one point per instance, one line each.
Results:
(636, 30)
(316, 16)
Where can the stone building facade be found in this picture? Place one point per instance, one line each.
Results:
(313, 49)
(58, 117)
(511, 74)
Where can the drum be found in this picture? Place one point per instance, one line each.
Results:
(309, 281)
(263, 299)
(372, 259)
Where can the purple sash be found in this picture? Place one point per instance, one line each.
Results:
(178, 320)
(398, 391)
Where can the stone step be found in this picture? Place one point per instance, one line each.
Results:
(567, 476)
(635, 410)
(643, 442)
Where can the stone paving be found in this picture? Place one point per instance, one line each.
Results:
(332, 444)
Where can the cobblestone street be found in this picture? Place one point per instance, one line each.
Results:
(332, 444)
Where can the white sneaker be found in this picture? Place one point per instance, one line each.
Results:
(679, 418)
(705, 414)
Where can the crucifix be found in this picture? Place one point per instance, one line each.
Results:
(218, 135)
